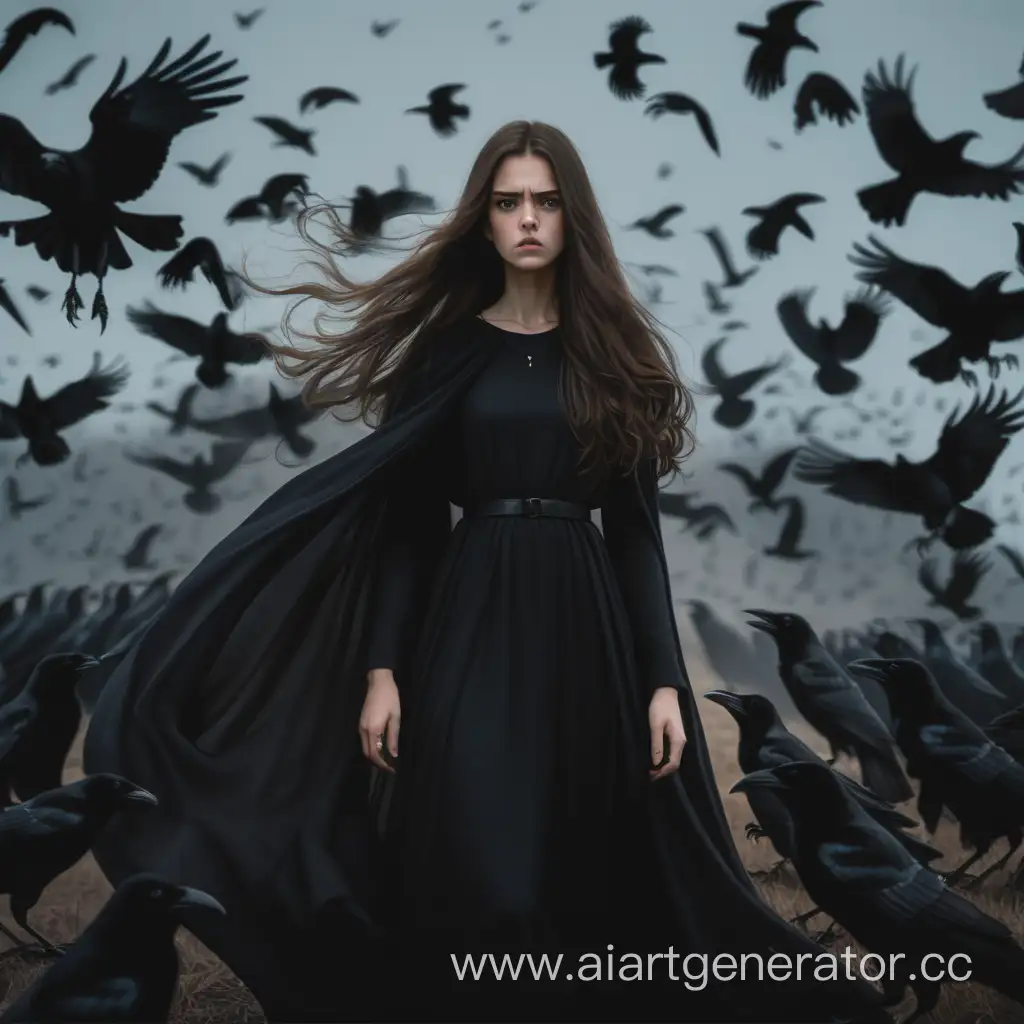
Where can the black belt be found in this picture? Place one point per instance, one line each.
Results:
(531, 508)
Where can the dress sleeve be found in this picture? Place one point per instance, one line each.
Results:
(416, 499)
(632, 533)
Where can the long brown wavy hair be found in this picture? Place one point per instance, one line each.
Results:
(620, 387)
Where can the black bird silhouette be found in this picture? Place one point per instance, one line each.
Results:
(383, 28)
(442, 110)
(1013, 557)
(713, 298)
(968, 570)
(132, 131)
(28, 24)
(829, 95)
(16, 504)
(201, 254)
(280, 417)
(138, 556)
(626, 58)
(832, 703)
(208, 176)
(215, 345)
(70, 77)
(8, 305)
(731, 277)
(922, 163)
(323, 96)
(288, 134)
(245, 21)
(274, 202)
(181, 415)
(1008, 102)
(371, 210)
(935, 489)
(200, 474)
(680, 103)
(124, 967)
(765, 742)
(787, 546)
(830, 347)
(734, 409)
(763, 237)
(705, 520)
(858, 873)
(975, 318)
(654, 225)
(40, 420)
(958, 766)
(38, 726)
(37, 293)
(43, 837)
(762, 488)
(766, 68)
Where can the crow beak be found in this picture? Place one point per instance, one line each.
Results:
(732, 702)
(870, 668)
(765, 621)
(765, 778)
(196, 898)
(141, 796)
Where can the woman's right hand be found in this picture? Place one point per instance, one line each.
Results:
(381, 717)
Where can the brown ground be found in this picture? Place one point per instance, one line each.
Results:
(210, 994)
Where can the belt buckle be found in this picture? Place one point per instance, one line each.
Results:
(533, 508)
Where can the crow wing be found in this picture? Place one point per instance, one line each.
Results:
(892, 119)
(82, 398)
(792, 313)
(869, 482)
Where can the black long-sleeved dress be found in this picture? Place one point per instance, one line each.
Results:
(542, 644)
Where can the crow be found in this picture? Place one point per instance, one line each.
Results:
(15, 503)
(763, 237)
(967, 572)
(317, 99)
(201, 254)
(787, 545)
(289, 134)
(246, 21)
(50, 833)
(832, 703)
(137, 556)
(280, 417)
(626, 58)
(704, 520)
(762, 488)
(180, 415)
(859, 873)
(124, 967)
(28, 24)
(830, 347)
(765, 742)
(766, 68)
(132, 132)
(38, 726)
(199, 474)
(1008, 102)
(732, 278)
(714, 300)
(209, 176)
(733, 409)
(273, 201)
(70, 77)
(442, 110)
(215, 344)
(382, 29)
(922, 163)
(996, 666)
(371, 210)
(831, 97)
(935, 489)
(958, 766)
(680, 103)
(654, 225)
(974, 318)
(41, 420)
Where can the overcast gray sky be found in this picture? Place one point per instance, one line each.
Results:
(537, 64)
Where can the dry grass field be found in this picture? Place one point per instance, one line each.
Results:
(210, 994)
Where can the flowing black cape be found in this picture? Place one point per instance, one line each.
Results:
(238, 707)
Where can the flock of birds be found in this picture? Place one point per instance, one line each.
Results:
(901, 707)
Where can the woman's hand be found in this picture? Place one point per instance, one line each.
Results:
(380, 718)
(667, 735)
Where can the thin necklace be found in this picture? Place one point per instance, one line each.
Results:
(525, 334)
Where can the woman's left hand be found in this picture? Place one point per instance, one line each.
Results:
(667, 735)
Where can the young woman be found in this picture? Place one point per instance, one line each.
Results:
(509, 690)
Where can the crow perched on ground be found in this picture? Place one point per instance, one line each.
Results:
(132, 132)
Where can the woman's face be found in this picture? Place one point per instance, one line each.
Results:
(525, 204)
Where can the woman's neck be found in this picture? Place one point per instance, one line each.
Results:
(529, 303)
